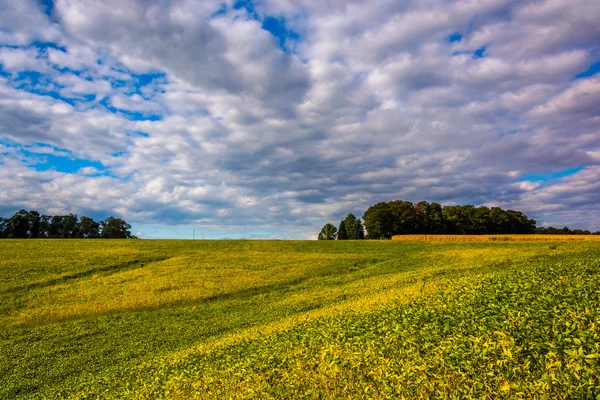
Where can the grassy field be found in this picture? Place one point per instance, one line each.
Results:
(287, 319)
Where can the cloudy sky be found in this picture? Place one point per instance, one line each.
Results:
(270, 118)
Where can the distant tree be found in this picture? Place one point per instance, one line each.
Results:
(358, 231)
(115, 228)
(341, 233)
(4, 227)
(56, 224)
(71, 228)
(403, 216)
(498, 221)
(379, 221)
(30, 224)
(89, 228)
(329, 232)
(422, 211)
(45, 221)
(19, 225)
(435, 217)
(481, 220)
(34, 220)
(349, 224)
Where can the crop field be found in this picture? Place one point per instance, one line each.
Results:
(295, 319)
(495, 238)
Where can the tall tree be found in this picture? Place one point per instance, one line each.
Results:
(34, 220)
(404, 219)
(329, 232)
(436, 218)
(341, 233)
(89, 227)
(71, 227)
(45, 221)
(422, 211)
(378, 221)
(19, 225)
(349, 224)
(56, 227)
(358, 231)
(115, 228)
(4, 227)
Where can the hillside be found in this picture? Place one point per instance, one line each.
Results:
(180, 319)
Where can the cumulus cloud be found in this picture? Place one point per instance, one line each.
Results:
(197, 113)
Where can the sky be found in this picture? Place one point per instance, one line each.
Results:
(267, 119)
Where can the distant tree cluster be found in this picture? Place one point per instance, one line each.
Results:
(397, 217)
(563, 231)
(384, 220)
(30, 224)
(350, 228)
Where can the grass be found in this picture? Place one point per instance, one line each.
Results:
(181, 319)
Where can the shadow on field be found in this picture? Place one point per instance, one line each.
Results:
(109, 268)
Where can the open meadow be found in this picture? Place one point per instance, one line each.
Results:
(290, 319)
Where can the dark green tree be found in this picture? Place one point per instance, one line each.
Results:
(115, 228)
(436, 218)
(89, 228)
(378, 220)
(481, 220)
(341, 233)
(358, 231)
(34, 220)
(329, 232)
(422, 211)
(71, 228)
(56, 227)
(4, 227)
(45, 221)
(19, 225)
(349, 224)
(404, 218)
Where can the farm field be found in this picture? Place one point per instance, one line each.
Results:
(276, 319)
(495, 238)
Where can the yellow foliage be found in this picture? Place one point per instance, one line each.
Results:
(494, 238)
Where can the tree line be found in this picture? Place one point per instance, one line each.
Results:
(30, 224)
(397, 217)
(350, 228)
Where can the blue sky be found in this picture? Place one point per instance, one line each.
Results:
(267, 119)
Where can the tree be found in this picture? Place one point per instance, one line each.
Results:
(342, 234)
(56, 227)
(422, 211)
(436, 218)
(349, 225)
(358, 231)
(33, 218)
(115, 228)
(4, 227)
(329, 232)
(71, 228)
(19, 225)
(378, 221)
(89, 227)
(404, 219)
(45, 221)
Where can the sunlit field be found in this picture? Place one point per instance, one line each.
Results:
(495, 238)
(289, 319)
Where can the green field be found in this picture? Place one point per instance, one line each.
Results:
(290, 319)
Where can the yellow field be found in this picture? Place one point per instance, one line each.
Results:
(494, 238)
(202, 319)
